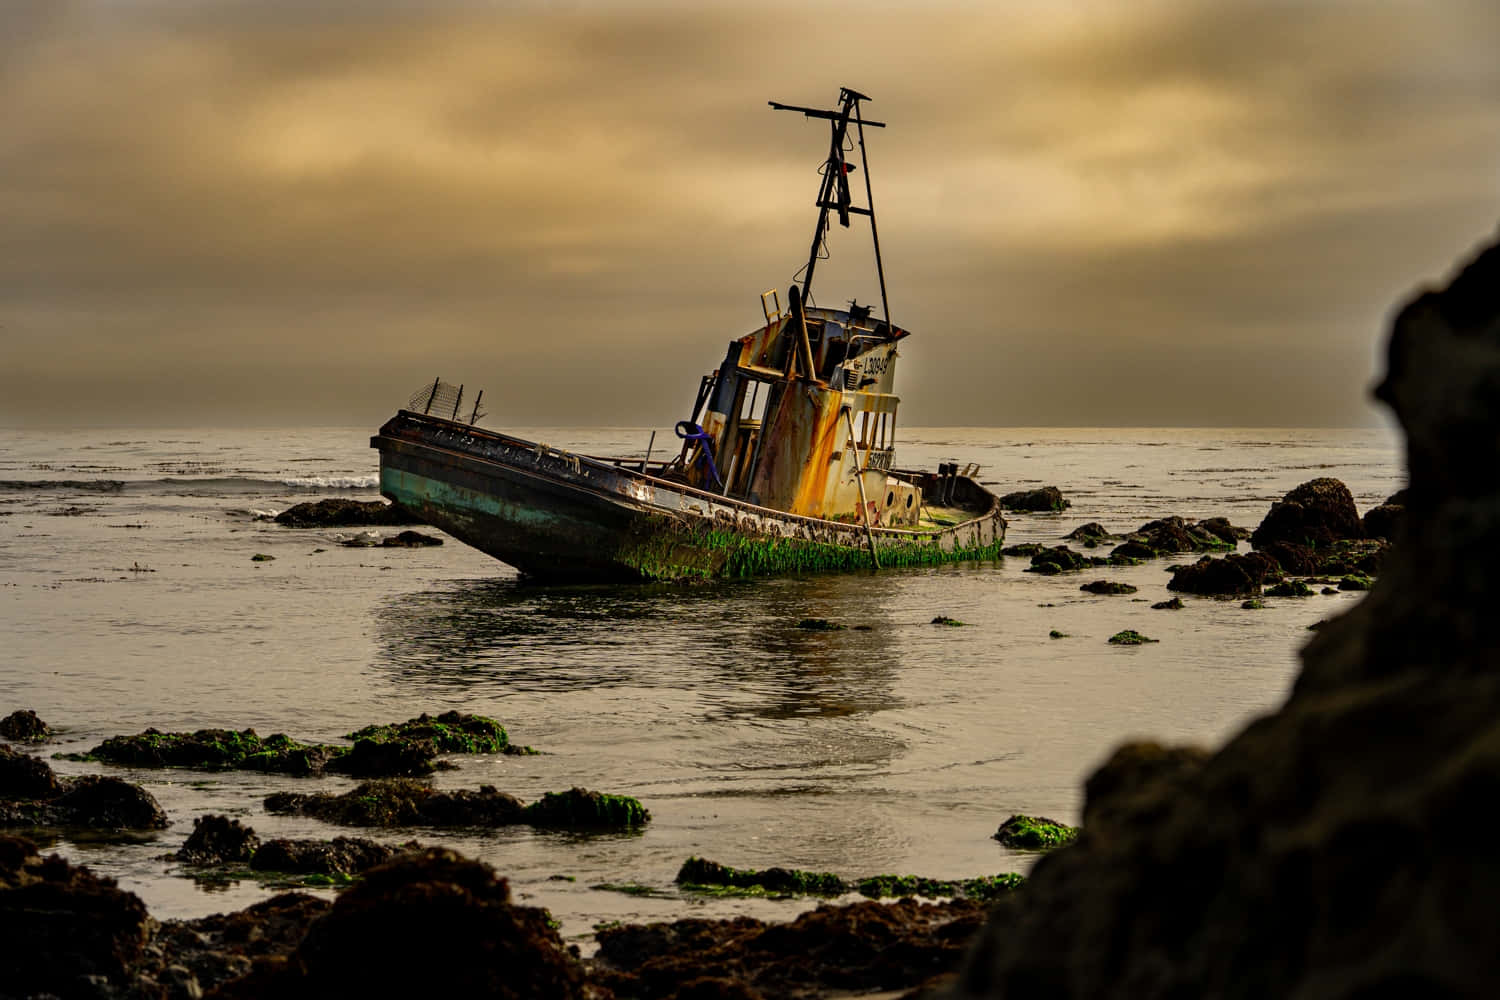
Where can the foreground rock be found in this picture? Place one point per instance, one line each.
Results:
(1237, 574)
(23, 726)
(426, 925)
(1331, 849)
(1317, 513)
(833, 949)
(228, 848)
(32, 795)
(345, 513)
(404, 802)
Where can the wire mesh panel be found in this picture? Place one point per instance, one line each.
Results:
(444, 399)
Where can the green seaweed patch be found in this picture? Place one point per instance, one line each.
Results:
(632, 889)
(1035, 833)
(1289, 588)
(1356, 581)
(702, 875)
(1130, 637)
(819, 625)
(215, 749)
(945, 620)
(579, 808)
(984, 888)
(450, 732)
(1254, 604)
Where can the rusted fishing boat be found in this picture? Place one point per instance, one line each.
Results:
(785, 464)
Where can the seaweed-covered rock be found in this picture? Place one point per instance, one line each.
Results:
(1175, 604)
(1093, 531)
(1044, 499)
(341, 857)
(1027, 549)
(1267, 868)
(216, 749)
(901, 886)
(1363, 555)
(23, 726)
(402, 802)
(698, 872)
(1237, 574)
(1130, 637)
(1108, 587)
(66, 931)
(338, 512)
(1221, 529)
(450, 732)
(32, 795)
(579, 808)
(841, 949)
(1356, 581)
(1035, 833)
(218, 840)
(427, 924)
(1289, 588)
(1131, 552)
(1057, 559)
(1317, 513)
(224, 946)
(402, 758)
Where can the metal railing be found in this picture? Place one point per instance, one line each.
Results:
(446, 400)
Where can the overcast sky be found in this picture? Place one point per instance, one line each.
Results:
(1189, 212)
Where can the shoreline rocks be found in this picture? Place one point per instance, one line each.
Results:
(406, 802)
(340, 513)
(32, 795)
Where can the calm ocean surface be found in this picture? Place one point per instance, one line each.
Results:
(894, 750)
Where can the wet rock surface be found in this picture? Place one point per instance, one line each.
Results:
(1107, 587)
(859, 947)
(32, 795)
(1317, 513)
(23, 726)
(1237, 574)
(1331, 849)
(406, 802)
(342, 513)
(1035, 833)
(1044, 499)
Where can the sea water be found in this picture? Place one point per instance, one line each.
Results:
(129, 598)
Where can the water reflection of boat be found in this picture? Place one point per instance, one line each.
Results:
(785, 466)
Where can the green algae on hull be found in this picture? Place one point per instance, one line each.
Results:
(1034, 833)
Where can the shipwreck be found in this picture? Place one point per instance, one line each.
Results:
(785, 465)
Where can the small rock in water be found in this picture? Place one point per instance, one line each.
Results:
(1108, 587)
(24, 725)
(411, 540)
(945, 620)
(819, 625)
(262, 557)
(1130, 637)
(1175, 604)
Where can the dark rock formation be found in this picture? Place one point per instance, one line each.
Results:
(450, 732)
(216, 749)
(345, 513)
(1289, 588)
(1057, 559)
(1045, 499)
(856, 948)
(1237, 574)
(341, 857)
(218, 840)
(425, 925)
(1220, 528)
(410, 540)
(1130, 637)
(1108, 587)
(225, 946)
(65, 931)
(32, 795)
(1175, 604)
(405, 802)
(23, 726)
(1317, 513)
(1171, 535)
(1091, 532)
(1331, 849)
(1383, 521)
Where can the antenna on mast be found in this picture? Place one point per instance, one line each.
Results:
(834, 193)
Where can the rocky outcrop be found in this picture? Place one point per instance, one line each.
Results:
(406, 802)
(31, 795)
(1044, 500)
(23, 726)
(1331, 849)
(1317, 513)
(425, 925)
(1237, 574)
(337, 512)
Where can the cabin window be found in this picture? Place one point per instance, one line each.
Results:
(866, 430)
(753, 406)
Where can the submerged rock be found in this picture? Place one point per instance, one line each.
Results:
(1108, 587)
(1175, 604)
(405, 802)
(450, 732)
(1057, 559)
(1332, 848)
(337, 512)
(1090, 532)
(410, 540)
(216, 749)
(580, 809)
(218, 840)
(1047, 498)
(23, 726)
(1130, 637)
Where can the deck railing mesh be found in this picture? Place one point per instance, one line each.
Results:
(446, 400)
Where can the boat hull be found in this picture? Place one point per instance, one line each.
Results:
(555, 515)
